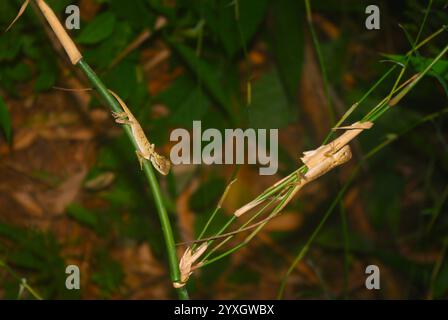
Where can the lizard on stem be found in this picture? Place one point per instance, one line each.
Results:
(146, 149)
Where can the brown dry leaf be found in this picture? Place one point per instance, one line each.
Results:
(156, 60)
(185, 215)
(187, 263)
(99, 115)
(356, 213)
(19, 14)
(100, 182)
(28, 203)
(428, 256)
(312, 96)
(286, 221)
(60, 133)
(89, 9)
(158, 111)
(147, 262)
(328, 27)
(257, 57)
(144, 274)
(159, 81)
(23, 138)
(57, 200)
(82, 97)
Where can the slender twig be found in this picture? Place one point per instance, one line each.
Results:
(341, 193)
(149, 172)
(77, 60)
(286, 188)
(320, 57)
(22, 280)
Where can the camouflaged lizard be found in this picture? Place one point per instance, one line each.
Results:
(146, 149)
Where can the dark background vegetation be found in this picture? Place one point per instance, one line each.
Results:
(71, 191)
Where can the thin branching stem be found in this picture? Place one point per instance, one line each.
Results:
(22, 281)
(341, 193)
(320, 57)
(150, 175)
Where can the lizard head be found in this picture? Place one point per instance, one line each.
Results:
(161, 163)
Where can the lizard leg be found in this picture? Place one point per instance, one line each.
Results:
(140, 157)
(119, 115)
(121, 118)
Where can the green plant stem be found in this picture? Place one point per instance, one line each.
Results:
(277, 209)
(307, 245)
(385, 75)
(346, 247)
(414, 43)
(341, 193)
(149, 172)
(220, 202)
(33, 292)
(436, 269)
(320, 57)
(375, 113)
(204, 259)
(327, 214)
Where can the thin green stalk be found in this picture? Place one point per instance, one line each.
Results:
(436, 269)
(420, 76)
(327, 214)
(282, 185)
(250, 236)
(402, 90)
(341, 193)
(345, 235)
(267, 193)
(228, 224)
(376, 112)
(397, 81)
(219, 205)
(149, 172)
(438, 208)
(307, 245)
(25, 285)
(356, 104)
(383, 77)
(236, 3)
(331, 112)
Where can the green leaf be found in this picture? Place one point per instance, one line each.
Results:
(109, 273)
(234, 33)
(177, 92)
(59, 5)
(13, 233)
(208, 194)
(420, 63)
(186, 100)
(9, 46)
(134, 12)
(123, 79)
(441, 283)
(192, 108)
(82, 215)
(270, 106)
(5, 120)
(207, 73)
(19, 73)
(438, 71)
(102, 55)
(98, 29)
(287, 40)
(383, 203)
(45, 80)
